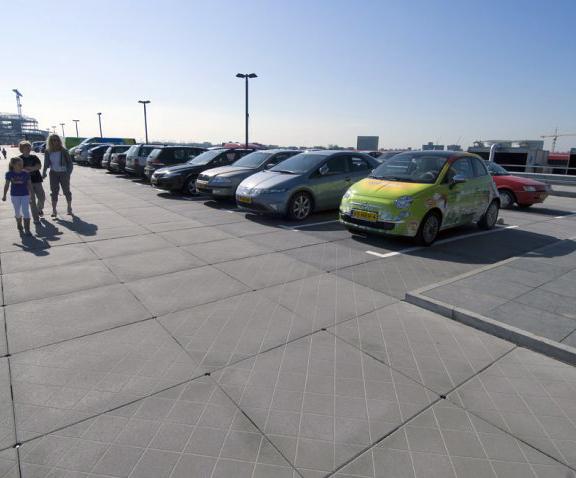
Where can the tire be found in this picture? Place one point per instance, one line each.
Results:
(355, 230)
(429, 229)
(190, 187)
(525, 206)
(490, 217)
(507, 198)
(300, 206)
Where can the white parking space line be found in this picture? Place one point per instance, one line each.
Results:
(437, 243)
(297, 228)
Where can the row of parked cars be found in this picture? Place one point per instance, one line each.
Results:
(413, 193)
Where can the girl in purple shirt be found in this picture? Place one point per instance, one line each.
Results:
(18, 180)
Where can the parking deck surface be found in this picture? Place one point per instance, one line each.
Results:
(154, 335)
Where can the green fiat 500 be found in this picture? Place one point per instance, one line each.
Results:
(420, 193)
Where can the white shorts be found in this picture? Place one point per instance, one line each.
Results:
(21, 206)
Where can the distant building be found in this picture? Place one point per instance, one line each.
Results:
(367, 143)
(454, 147)
(432, 147)
(514, 155)
(14, 128)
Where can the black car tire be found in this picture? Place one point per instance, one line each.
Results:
(429, 229)
(190, 187)
(355, 230)
(490, 217)
(507, 198)
(300, 206)
(525, 206)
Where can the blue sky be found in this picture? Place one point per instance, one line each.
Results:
(329, 70)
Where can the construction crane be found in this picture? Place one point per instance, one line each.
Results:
(555, 137)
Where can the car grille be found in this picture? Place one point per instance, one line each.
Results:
(385, 226)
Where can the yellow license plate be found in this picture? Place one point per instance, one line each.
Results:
(365, 215)
(245, 199)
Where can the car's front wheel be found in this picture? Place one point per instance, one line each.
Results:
(507, 199)
(300, 206)
(429, 229)
(490, 217)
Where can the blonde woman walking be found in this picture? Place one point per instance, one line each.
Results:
(58, 160)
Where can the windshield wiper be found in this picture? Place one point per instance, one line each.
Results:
(282, 171)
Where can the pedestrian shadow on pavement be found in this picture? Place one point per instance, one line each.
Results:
(79, 226)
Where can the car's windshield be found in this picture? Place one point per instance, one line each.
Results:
(133, 150)
(410, 168)
(299, 164)
(205, 157)
(496, 170)
(253, 160)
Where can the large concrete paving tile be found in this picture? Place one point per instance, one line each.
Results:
(42, 322)
(245, 228)
(465, 297)
(46, 236)
(565, 285)
(229, 330)
(570, 340)
(7, 433)
(117, 232)
(326, 299)
(128, 245)
(321, 401)
(227, 250)
(180, 290)
(281, 240)
(330, 256)
(186, 237)
(51, 257)
(61, 384)
(398, 274)
(193, 431)
(447, 442)
(151, 263)
(495, 283)
(9, 464)
(268, 270)
(42, 283)
(174, 225)
(537, 321)
(433, 350)
(551, 302)
(530, 396)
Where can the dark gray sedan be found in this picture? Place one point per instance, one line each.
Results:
(222, 182)
(307, 182)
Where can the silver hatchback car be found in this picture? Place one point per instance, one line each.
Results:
(307, 182)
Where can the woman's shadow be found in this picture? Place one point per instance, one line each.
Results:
(79, 226)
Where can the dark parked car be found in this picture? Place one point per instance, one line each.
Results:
(96, 154)
(222, 182)
(183, 177)
(136, 158)
(169, 156)
(81, 152)
(113, 150)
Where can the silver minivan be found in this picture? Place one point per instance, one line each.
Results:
(136, 158)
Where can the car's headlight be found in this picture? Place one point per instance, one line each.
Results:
(347, 194)
(403, 202)
(219, 180)
(529, 189)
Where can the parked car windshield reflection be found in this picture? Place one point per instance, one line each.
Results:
(252, 160)
(299, 164)
(205, 158)
(410, 168)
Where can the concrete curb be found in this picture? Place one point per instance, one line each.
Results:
(512, 334)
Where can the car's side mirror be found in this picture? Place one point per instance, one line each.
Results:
(458, 179)
(269, 166)
(324, 170)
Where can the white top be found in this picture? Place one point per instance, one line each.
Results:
(56, 163)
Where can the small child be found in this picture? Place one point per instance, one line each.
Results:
(20, 188)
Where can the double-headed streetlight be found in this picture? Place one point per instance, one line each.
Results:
(62, 125)
(144, 103)
(246, 76)
(100, 122)
(76, 123)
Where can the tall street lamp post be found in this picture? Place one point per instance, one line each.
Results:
(62, 125)
(76, 123)
(100, 122)
(144, 103)
(246, 76)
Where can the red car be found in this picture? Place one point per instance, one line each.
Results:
(516, 189)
